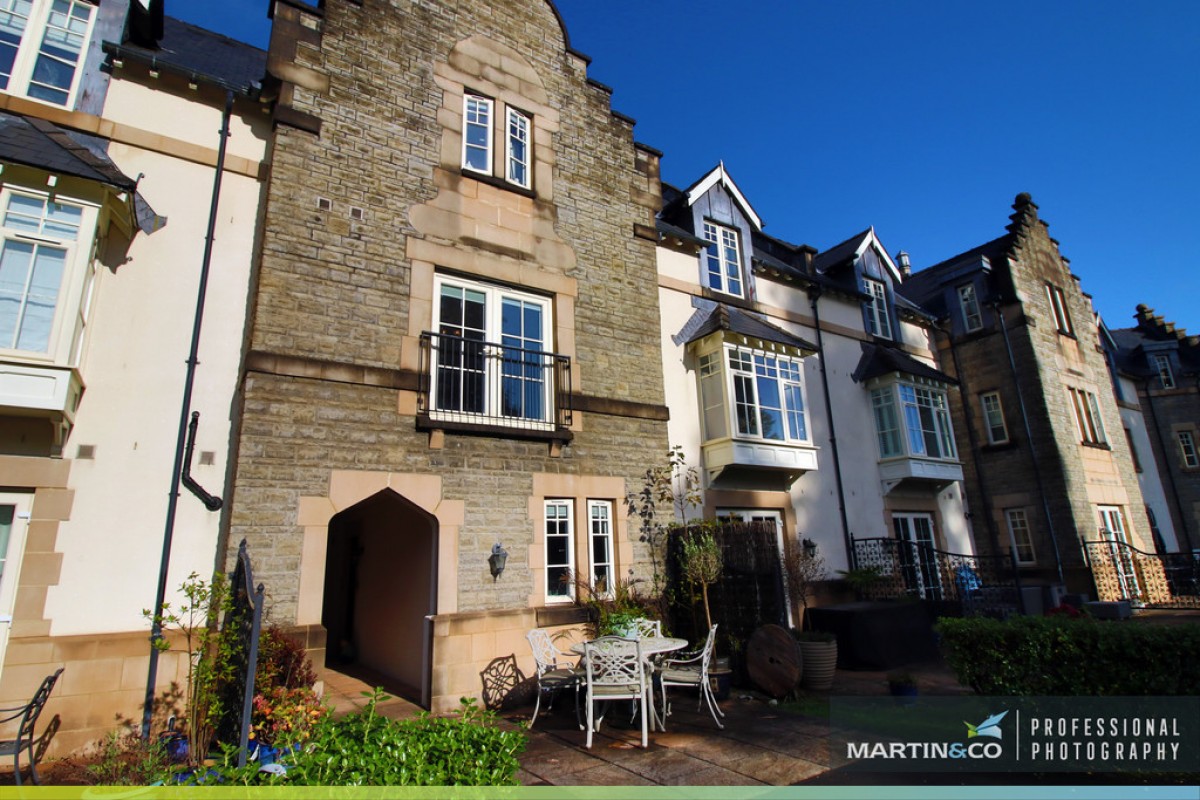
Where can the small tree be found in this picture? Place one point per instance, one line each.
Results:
(805, 568)
(673, 484)
(702, 564)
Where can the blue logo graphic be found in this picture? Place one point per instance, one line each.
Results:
(989, 727)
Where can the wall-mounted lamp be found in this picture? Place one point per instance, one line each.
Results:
(810, 548)
(497, 560)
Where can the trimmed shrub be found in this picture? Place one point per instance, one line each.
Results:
(1060, 656)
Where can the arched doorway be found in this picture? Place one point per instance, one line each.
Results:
(380, 591)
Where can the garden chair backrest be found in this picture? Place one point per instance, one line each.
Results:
(32, 710)
(706, 653)
(614, 661)
(545, 654)
(648, 628)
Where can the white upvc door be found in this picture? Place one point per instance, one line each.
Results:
(14, 521)
(776, 519)
(917, 557)
(1112, 530)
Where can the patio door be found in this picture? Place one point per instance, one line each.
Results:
(776, 519)
(1112, 530)
(918, 559)
(14, 518)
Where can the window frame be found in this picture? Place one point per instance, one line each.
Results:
(717, 252)
(488, 147)
(494, 384)
(879, 317)
(1088, 422)
(988, 421)
(1162, 365)
(509, 138)
(1015, 535)
(1189, 454)
(567, 566)
(890, 399)
(1059, 310)
(28, 54)
(609, 536)
(968, 298)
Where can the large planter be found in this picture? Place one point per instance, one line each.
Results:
(820, 664)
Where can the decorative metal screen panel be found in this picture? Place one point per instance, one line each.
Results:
(1123, 572)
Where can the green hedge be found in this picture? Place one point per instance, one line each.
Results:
(1057, 656)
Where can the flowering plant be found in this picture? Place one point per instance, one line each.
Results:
(285, 716)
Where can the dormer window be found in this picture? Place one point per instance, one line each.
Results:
(479, 134)
(879, 320)
(968, 301)
(41, 47)
(723, 259)
(1162, 365)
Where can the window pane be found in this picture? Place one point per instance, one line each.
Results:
(795, 405)
(747, 419)
(477, 134)
(14, 15)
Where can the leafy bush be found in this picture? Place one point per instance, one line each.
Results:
(282, 661)
(283, 716)
(126, 759)
(1061, 656)
(365, 749)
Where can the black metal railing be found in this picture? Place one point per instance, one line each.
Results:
(904, 568)
(243, 623)
(1123, 572)
(468, 381)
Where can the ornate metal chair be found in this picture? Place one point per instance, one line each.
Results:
(28, 715)
(616, 671)
(554, 672)
(692, 671)
(647, 628)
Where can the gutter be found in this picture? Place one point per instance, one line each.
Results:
(122, 53)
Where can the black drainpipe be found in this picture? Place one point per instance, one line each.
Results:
(814, 292)
(1166, 451)
(181, 446)
(1037, 472)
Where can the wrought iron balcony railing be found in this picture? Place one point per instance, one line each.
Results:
(470, 384)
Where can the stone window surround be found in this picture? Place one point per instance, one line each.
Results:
(499, 159)
(578, 489)
(987, 424)
(1010, 516)
(1187, 442)
(1059, 310)
(1089, 423)
(968, 302)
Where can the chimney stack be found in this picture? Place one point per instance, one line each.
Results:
(905, 266)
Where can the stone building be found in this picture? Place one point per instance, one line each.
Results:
(791, 374)
(451, 348)
(1046, 465)
(1158, 378)
(110, 135)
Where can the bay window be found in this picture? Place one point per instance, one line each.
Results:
(912, 420)
(767, 392)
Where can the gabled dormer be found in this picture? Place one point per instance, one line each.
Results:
(715, 211)
(863, 261)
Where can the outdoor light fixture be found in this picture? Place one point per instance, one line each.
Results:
(810, 548)
(497, 560)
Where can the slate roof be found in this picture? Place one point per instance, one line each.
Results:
(839, 252)
(194, 51)
(42, 144)
(879, 360)
(925, 285)
(727, 318)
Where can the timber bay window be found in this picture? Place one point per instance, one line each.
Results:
(912, 420)
(993, 418)
(479, 153)
(879, 320)
(723, 259)
(968, 302)
(488, 362)
(42, 43)
(1058, 306)
(1087, 417)
(767, 392)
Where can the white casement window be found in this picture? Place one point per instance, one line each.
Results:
(519, 128)
(41, 239)
(1166, 378)
(560, 551)
(1187, 449)
(600, 545)
(879, 320)
(1020, 536)
(477, 133)
(1058, 306)
(1087, 416)
(491, 363)
(913, 421)
(723, 259)
(42, 43)
(767, 391)
(993, 417)
(968, 301)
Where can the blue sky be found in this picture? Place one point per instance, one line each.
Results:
(924, 119)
